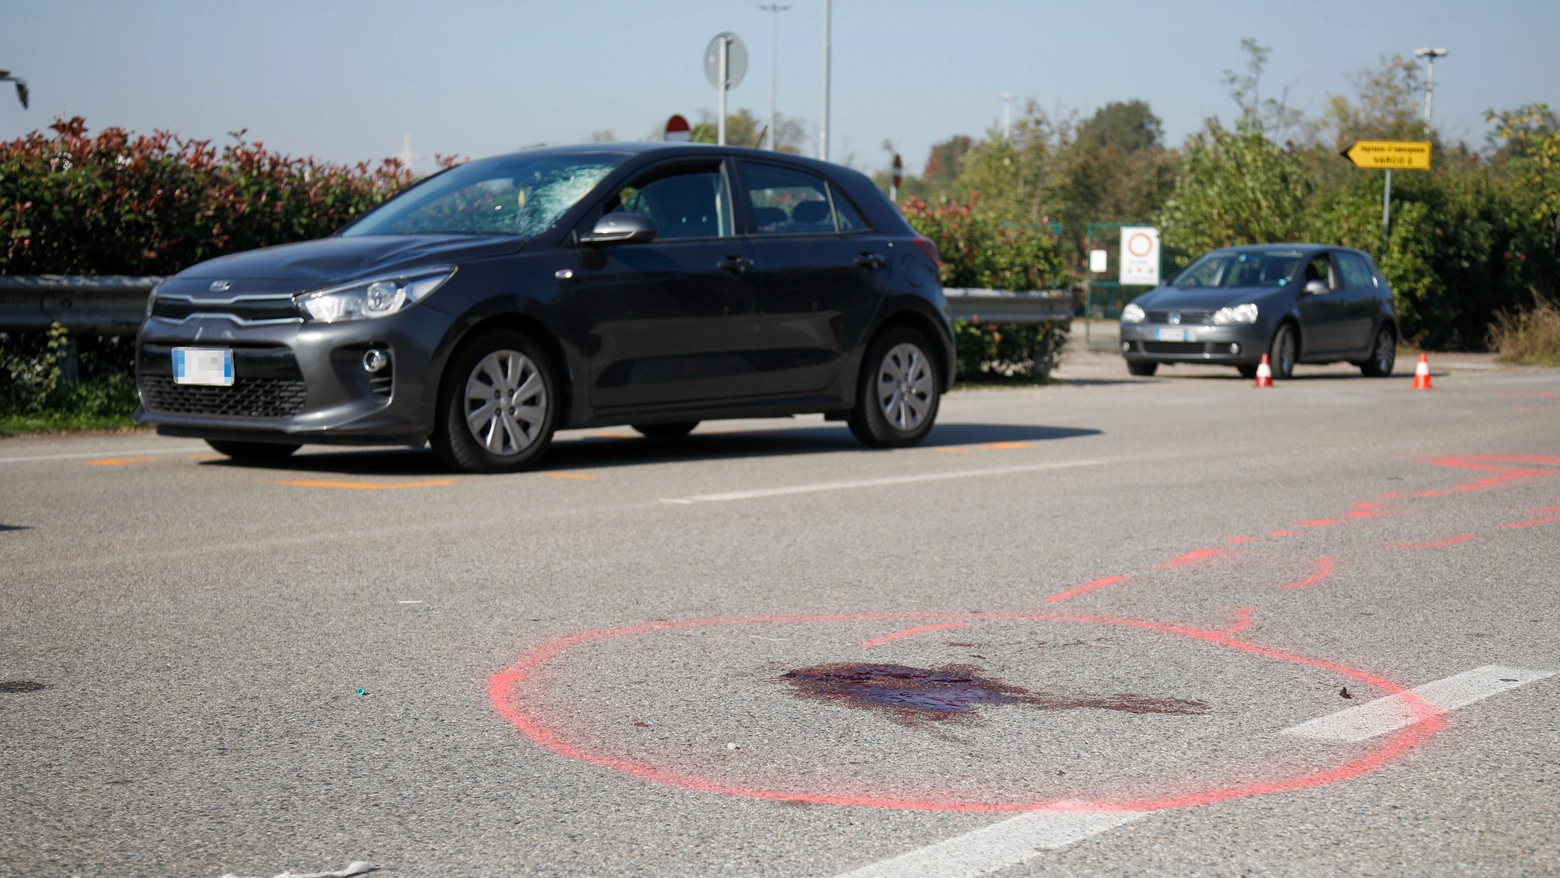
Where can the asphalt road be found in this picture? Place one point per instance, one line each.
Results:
(1097, 629)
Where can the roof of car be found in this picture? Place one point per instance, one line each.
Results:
(653, 147)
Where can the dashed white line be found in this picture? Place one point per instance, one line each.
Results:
(1394, 712)
(874, 483)
(997, 846)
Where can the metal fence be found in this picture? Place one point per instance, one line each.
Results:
(1007, 306)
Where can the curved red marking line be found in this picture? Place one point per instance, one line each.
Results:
(1429, 721)
(1088, 586)
(1324, 569)
(1240, 540)
(1242, 621)
(1320, 522)
(909, 631)
(1460, 538)
(1535, 521)
(1192, 557)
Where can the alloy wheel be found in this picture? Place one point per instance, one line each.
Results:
(506, 403)
(906, 386)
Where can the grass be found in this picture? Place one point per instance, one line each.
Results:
(62, 422)
(1528, 338)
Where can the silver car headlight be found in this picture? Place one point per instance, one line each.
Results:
(375, 297)
(1246, 313)
(1133, 314)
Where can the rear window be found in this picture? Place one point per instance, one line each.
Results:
(1262, 268)
(787, 201)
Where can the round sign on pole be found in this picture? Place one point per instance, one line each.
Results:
(677, 128)
(736, 60)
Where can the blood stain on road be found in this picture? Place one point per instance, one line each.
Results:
(912, 695)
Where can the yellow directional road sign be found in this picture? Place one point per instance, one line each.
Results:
(1389, 155)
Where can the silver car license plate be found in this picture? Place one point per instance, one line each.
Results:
(1172, 335)
(213, 366)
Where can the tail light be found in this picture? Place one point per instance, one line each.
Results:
(926, 246)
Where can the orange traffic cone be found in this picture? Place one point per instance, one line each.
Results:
(1422, 374)
(1264, 373)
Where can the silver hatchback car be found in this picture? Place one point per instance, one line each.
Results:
(1297, 303)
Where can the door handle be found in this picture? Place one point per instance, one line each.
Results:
(871, 260)
(735, 264)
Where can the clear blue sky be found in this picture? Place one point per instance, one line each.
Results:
(344, 80)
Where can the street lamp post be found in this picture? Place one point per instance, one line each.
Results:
(774, 10)
(1430, 55)
(1007, 116)
(823, 122)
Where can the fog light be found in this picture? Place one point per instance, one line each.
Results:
(1126, 346)
(1234, 348)
(375, 360)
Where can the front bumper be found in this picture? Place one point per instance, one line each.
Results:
(294, 381)
(1234, 344)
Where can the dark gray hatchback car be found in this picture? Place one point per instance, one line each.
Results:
(656, 285)
(1297, 303)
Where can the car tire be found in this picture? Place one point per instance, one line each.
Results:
(1141, 368)
(1247, 370)
(666, 431)
(497, 405)
(1383, 356)
(1284, 352)
(253, 452)
(896, 394)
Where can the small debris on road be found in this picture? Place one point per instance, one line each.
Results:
(1344, 692)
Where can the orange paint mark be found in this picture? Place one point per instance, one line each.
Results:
(868, 644)
(569, 476)
(997, 446)
(1452, 541)
(1535, 521)
(1320, 522)
(1242, 621)
(364, 486)
(952, 450)
(1366, 505)
(1392, 496)
(118, 461)
(1088, 586)
(1192, 557)
(1363, 513)
(1282, 533)
(1324, 569)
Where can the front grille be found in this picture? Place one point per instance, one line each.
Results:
(246, 308)
(247, 398)
(1186, 316)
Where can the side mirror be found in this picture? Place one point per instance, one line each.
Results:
(621, 228)
(1315, 287)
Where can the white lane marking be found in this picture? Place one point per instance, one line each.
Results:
(356, 867)
(873, 483)
(997, 846)
(1394, 712)
(106, 453)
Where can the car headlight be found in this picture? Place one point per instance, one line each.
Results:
(375, 297)
(1246, 313)
(1133, 314)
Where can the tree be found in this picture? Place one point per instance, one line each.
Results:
(744, 128)
(1234, 187)
(1275, 117)
(1130, 127)
(1388, 106)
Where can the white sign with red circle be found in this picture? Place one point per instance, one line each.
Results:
(1139, 256)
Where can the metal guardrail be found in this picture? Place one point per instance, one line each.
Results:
(116, 304)
(1007, 306)
(96, 305)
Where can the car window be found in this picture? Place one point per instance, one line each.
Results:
(522, 195)
(1267, 268)
(1355, 273)
(682, 204)
(850, 219)
(1317, 269)
(790, 202)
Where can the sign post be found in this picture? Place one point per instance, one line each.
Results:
(725, 63)
(1387, 155)
(898, 177)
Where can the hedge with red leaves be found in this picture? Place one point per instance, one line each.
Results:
(121, 203)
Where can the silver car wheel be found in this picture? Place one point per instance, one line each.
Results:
(1284, 357)
(1386, 351)
(905, 386)
(506, 403)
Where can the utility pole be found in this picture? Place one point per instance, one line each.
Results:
(774, 10)
(1007, 116)
(823, 123)
(1430, 55)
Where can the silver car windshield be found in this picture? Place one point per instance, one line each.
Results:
(1263, 268)
(518, 195)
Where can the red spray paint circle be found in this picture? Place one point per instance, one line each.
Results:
(502, 685)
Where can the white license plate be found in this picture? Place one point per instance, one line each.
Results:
(203, 366)
(1173, 335)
